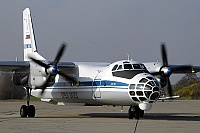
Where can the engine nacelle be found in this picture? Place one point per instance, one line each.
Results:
(38, 77)
(20, 78)
(39, 81)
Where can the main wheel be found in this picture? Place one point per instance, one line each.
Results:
(137, 112)
(23, 111)
(141, 113)
(130, 113)
(31, 111)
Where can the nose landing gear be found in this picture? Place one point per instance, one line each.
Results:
(135, 112)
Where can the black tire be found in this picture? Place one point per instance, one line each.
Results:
(137, 116)
(137, 113)
(31, 111)
(141, 113)
(23, 111)
(130, 113)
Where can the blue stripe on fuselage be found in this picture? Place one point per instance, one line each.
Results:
(102, 83)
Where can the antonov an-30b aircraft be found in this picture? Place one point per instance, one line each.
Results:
(122, 83)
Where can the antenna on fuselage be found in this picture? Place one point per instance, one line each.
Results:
(128, 56)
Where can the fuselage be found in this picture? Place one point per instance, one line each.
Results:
(123, 83)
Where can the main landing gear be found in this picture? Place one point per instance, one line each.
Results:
(27, 110)
(135, 112)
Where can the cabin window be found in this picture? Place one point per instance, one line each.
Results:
(78, 83)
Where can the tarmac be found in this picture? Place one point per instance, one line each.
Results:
(178, 116)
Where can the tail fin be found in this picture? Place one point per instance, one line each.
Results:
(30, 48)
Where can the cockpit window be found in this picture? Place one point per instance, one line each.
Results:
(128, 66)
(136, 66)
(115, 67)
(128, 70)
(120, 67)
(143, 66)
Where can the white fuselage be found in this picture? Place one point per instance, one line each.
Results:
(96, 86)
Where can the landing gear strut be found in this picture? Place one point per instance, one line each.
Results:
(27, 110)
(135, 112)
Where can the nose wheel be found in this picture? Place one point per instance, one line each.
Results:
(135, 112)
(27, 110)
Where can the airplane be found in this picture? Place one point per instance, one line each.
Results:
(122, 83)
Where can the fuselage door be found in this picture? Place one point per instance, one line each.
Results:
(96, 88)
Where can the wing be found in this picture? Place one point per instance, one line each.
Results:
(8, 66)
(68, 70)
(66, 65)
(20, 65)
(178, 69)
(155, 67)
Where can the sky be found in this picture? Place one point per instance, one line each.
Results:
(105, 30)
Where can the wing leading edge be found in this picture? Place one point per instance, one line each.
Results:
(21, 65)
(178, 69)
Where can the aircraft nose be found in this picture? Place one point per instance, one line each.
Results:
(147, 89)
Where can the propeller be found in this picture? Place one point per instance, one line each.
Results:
(165, 70)
(52, 69)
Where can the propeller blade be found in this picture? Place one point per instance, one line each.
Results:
(45, 84)
(60, 53)
(164, 54)
(40, 63)
(170, 92)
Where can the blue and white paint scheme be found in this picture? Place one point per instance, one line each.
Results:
(96, 85)
(122, 83)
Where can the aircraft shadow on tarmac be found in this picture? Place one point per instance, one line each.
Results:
(150, 116)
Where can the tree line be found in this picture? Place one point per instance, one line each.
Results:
(188, 87)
